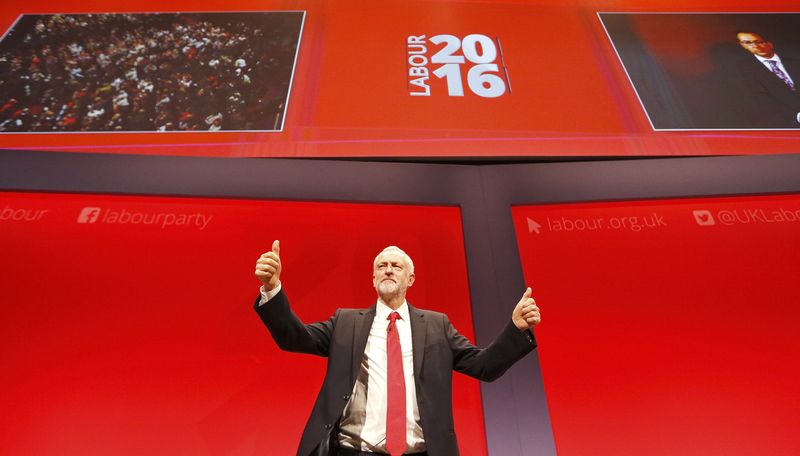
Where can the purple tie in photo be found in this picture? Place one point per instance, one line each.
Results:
(774, 65)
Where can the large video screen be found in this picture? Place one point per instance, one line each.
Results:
(446, 78)
(669, 326)
(722, 72)
(148, 72)
(127, 327)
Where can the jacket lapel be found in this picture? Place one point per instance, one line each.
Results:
(361, 329)
(773, 84)
(418, 333)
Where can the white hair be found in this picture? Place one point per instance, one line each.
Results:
(394, 248)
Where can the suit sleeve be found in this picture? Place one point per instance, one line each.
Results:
(289, 332)
(488, 364)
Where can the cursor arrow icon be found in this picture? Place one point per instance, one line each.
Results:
(533, 226)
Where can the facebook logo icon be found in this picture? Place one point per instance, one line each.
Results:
(89, 215)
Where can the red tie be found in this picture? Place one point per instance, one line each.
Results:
(396, 391)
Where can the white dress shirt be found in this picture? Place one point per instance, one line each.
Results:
(363, 423)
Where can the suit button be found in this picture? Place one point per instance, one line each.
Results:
(346, 397)
(328, 426)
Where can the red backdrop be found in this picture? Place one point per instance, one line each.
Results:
(139, 338)
(669, 327)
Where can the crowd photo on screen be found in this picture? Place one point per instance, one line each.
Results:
(147, 72)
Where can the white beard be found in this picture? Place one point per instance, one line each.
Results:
(388, 290)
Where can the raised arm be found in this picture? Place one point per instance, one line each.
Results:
(272, 305)
(515, 341)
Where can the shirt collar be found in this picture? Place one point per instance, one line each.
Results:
(382, 311)
(774, 58)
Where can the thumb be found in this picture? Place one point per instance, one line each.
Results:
(527, 293)
(276, 247)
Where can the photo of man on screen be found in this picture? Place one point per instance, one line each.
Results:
(711, 71)
(769, 82)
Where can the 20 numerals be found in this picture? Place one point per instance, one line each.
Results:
(479, 50)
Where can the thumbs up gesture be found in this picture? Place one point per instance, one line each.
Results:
(268, 267)
(526, 313)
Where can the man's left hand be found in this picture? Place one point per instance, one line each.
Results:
(526, 314)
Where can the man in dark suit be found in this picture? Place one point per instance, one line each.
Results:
(769, 85)
(388, 385)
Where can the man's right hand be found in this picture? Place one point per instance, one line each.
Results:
(268, 267)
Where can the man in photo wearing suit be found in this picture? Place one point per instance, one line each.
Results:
(388, 385)
(769, 84)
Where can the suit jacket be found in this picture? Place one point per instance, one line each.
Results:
(768, 101)
(438, 350)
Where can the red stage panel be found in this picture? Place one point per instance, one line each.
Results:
(355, 93)
(126, 324)
(670, 327)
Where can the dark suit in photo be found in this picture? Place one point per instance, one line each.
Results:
(763, 99)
